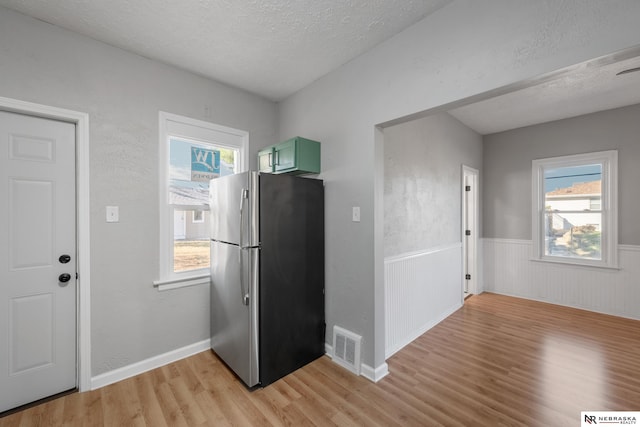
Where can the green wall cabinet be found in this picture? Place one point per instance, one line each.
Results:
(295, 156)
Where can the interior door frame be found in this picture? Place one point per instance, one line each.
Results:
(470, 246)
(83, 303)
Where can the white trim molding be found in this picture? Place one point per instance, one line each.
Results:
(374, 374)
(81, 120)
(148, 364)
(370, 373)
(205, 279)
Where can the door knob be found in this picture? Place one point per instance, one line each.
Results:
(64, 277)
(64, 259)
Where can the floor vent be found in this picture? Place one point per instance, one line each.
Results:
(346, 349)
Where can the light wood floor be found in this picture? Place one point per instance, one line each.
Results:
(497, 361)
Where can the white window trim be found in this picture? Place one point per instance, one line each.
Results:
(197, 130)
(609, 161)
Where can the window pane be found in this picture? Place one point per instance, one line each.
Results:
(190, 240)
(572, 188)
(573, 219)
(191, 166)
(575, 235)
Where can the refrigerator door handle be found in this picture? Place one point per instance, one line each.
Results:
(244, 195)
(245, 294)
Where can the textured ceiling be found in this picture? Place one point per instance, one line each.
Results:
(269, 47)
(276, 47)
(583, 89)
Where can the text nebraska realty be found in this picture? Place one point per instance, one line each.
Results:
(625, 420)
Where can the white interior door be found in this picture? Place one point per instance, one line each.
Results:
(470, 229)
(37, 259)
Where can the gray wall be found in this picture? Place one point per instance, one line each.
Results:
(423, 162)
(464, 49)
(507, 168)
(122, 93)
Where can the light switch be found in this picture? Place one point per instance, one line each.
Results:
(113, 214)
(356, 214)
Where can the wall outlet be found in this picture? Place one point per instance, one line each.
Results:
(355, 214)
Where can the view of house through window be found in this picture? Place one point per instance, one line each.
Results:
(192, 164)
(573, 216)
(574, 209)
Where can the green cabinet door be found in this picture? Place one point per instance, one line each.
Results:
(285, 156)
(295, 156)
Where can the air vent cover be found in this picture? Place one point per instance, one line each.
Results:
(346, 349)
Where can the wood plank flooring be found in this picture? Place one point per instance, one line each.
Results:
(498, 361)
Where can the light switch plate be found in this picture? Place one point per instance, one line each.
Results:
(355, 216)
(113, 214)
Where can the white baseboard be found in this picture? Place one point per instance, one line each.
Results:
(328, 349)
(366, 371)
(376, 374)
(148, 364)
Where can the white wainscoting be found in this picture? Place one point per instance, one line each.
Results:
(421, 290)
(509, 270)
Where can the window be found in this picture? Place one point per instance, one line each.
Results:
(575, 209)
(192, 152)
(198, 217)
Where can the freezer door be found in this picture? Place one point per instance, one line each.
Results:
(291, 274)
(233, 202)
(234, 316)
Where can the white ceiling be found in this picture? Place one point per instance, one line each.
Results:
(581, 90)
(276, 47)
(269, 47)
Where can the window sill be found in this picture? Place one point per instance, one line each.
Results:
(165, 285)
(575, 264)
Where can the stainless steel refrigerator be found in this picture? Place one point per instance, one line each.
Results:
(267, 273)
